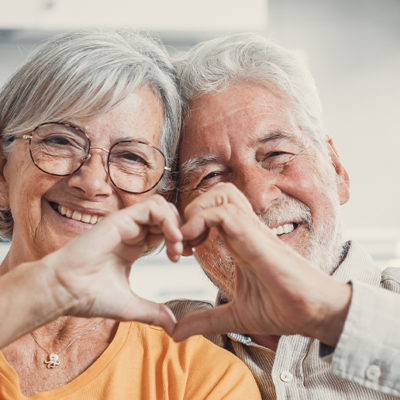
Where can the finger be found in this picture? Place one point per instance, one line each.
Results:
(196, 230)
(152, 313)
(218, 320)
(219, 195)
(159, 213)
(174, 250)
(151, 217)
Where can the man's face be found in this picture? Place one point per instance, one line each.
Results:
(248, 135)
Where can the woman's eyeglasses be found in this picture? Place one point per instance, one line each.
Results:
(60, 148)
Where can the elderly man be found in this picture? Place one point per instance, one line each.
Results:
(260, 189)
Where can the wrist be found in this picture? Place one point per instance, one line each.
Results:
(57, 285)
(32, 296)
(328, 324)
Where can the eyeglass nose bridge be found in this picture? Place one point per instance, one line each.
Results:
(88, 156)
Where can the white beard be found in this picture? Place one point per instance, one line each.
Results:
(324, 247)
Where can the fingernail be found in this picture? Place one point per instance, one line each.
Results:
(179, 247)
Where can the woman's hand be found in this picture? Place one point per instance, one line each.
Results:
(276, 290)
(92, 270)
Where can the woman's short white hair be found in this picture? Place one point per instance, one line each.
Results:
(82, 74)
(216, 64)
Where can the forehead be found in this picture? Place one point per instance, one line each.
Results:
(140, 115)
(236, 117)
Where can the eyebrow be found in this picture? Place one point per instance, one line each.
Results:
(191, 165)
(276, 135)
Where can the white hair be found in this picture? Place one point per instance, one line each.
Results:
(216, 64)
(82, 74)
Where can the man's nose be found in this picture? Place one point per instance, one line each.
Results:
(92, 178)
(259, 186)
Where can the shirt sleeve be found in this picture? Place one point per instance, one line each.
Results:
(368, 351)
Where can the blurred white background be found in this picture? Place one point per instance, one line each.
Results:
(353, 49)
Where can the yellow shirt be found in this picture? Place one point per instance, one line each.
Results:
(143, 362)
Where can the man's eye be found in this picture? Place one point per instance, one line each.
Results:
(210, 179)
(276, 154)
(211, 175)
(276, 160)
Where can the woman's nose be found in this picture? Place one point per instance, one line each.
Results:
(92, 178)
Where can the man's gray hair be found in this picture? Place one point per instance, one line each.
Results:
(82, 74)
(216, 64)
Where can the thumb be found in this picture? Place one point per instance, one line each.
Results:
(153, 313)
(217, 320)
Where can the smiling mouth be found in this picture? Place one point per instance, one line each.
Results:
(91, 219)
(284, 229)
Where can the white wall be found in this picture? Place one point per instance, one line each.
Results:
(353, 49)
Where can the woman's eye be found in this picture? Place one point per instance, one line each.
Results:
(57, 140)
(132, 157)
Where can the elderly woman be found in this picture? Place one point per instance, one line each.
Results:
(89, 126)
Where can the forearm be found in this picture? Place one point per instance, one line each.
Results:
(30, 296)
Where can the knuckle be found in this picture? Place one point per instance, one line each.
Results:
(158, 199)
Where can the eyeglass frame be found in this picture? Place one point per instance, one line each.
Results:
(88, 155)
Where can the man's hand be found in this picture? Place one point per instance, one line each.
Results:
(276, 290)
(92, 270)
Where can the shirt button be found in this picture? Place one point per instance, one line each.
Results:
(373, 372)
(286, 376)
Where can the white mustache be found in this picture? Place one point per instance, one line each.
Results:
(286, 209)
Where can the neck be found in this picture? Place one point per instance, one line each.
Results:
(63, 329)
(268, 341)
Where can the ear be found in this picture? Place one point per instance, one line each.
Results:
(4, 201)
(343, 181)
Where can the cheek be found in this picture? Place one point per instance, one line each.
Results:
(183, 200)
(129, 199)
(26, 185)
(217, 264)
(307, 184)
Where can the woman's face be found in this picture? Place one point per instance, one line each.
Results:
(38, 200)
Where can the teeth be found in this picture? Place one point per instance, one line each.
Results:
(86, 218)
(78, 216)
(280, 230)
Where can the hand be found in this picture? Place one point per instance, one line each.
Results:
(276, 290)
(93, 269)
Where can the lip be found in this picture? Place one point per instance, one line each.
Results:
(81, 209)
(289, 235)
(76, 223)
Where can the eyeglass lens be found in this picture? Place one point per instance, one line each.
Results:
(60, 149)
